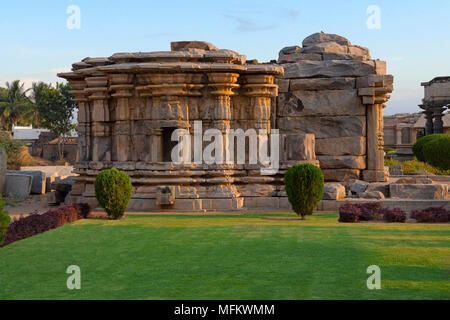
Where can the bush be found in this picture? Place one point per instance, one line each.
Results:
(432, 214)
(394, 215)
(5, 219)
(370, 211)
(13, 149)
(304, 188)
(437, 151)
(113, 191)
(418, 146)
(349, 213)
(34, 224)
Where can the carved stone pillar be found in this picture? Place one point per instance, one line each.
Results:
(429, 122)
(123, 91)
(374, 91)
(438, 126)
(84, 119)
(398, 140)
(101, 127)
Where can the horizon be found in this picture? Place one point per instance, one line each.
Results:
(412, 37)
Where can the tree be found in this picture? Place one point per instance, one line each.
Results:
(56, 107)
(304, 187)
(15, 107)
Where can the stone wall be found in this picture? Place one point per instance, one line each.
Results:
(335, 91)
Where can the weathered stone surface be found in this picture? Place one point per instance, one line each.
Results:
(340, 174)
(18, 185)
(380, 67)
(333, 191)
(396, 170)
(298, 56)
(357, 186)
(322, 84)
(325, 37)
(382, 187)
(344, 56)
(371, 195)
(358, 50)
(326, 127)
(320, 103)
(341, 146)
(38, 185)
(290, 49)
(3, 165)
(325, 47)
(342, 162)
(300, 146)
(63, 185)
(414, 180)
(283, 85)
(179, 45)
(328, 68)
(419, 191)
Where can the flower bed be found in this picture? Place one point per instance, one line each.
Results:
(34, 224)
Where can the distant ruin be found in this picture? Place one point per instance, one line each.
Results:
(326, 98)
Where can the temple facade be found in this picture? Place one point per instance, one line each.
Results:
(323, 104)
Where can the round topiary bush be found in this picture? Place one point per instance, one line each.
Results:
(418, 146)
(304, 188)
(437, 151)
(113, 191)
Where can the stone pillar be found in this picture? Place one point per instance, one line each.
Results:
(438, 126)
(398, 136)
(222, 85)
(374, 91)
(123, 91)
(429, 123)
(101, 126)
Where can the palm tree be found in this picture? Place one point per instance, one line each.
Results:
(37, 91)
(15, 107)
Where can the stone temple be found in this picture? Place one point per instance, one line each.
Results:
(325, 98)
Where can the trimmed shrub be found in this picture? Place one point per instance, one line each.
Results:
(34, 224)
(432, 214)
(370, 211)
(437, 151)
(394, 215)
(304, 187)
(5, 219)
(418, 146)
(113, 191)
(349, 213)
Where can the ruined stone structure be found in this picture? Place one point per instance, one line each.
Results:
(330, 103)
(435, 102)
(335, 91)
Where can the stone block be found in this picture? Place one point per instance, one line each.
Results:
(344, 56)
(358, 50)
(56, 197)
(300, 146)
(63, 185)
(298, 56)
(326, 127)
(333, 175)
(333, 191)
(357, 186)
(396, 170)
(414, 180)
(3, 166)
(320, 103)
(328, 68)
(341, 146)
(325, 47)
(290, 49)
(320, 37)
(371, 195)
(380, 67)
(180, 45)
(419, 191)
(323, 84)
(283, 85)
(342, 162)
(38, 185)
(382, 187)
(18, 185)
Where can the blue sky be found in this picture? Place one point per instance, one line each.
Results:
(414, 37)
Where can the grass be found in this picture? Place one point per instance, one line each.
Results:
(416, 165)
(242, 256)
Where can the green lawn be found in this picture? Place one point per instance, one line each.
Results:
(229, 257)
